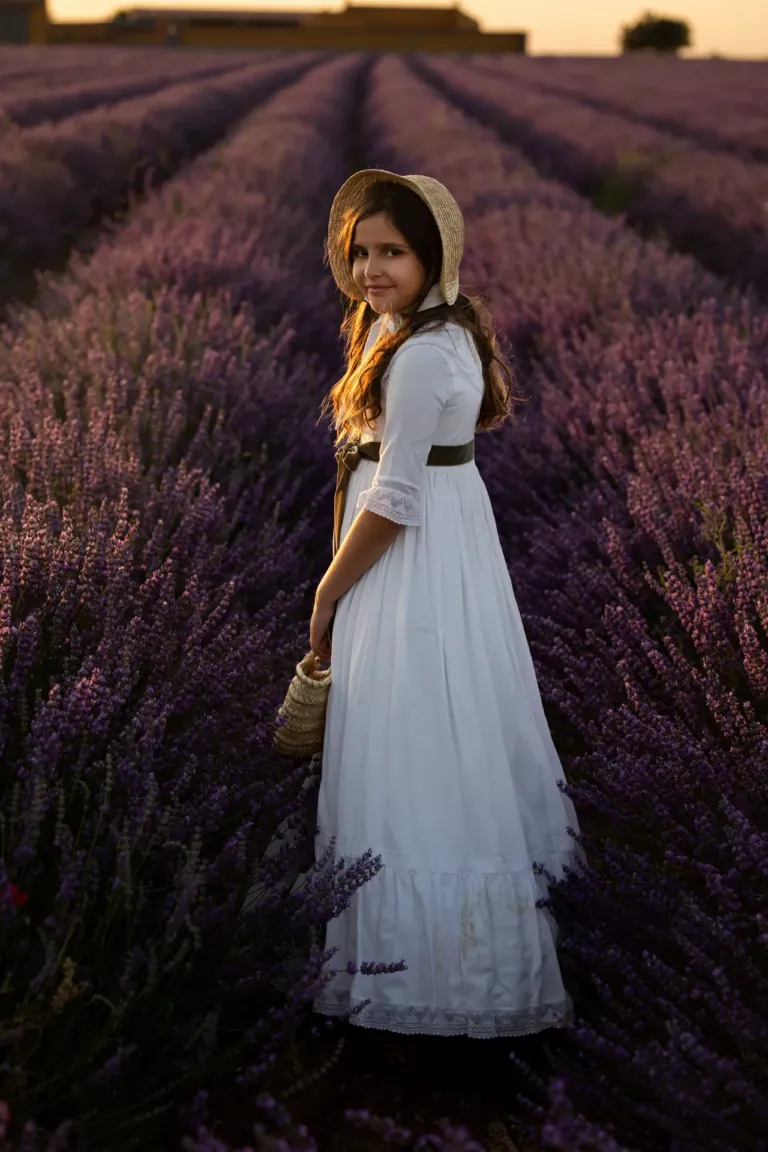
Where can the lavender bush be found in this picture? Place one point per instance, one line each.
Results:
(588, 308)
(151, 615)
(25, 108)
(22, 65)
(673, 95)
(282, 1133)
(668, 697)
(630, 500)
(56, 180)
(709, 204)
(53, 65)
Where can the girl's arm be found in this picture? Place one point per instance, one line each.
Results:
(420, 385)
(368, 538)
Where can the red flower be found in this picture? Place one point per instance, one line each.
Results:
(5, 1119)
(14, 895)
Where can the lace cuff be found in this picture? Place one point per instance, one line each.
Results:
(398, 506)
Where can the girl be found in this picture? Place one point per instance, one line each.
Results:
(437, 754)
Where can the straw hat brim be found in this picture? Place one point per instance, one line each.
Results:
(435, 195)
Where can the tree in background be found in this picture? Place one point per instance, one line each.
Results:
(656, 34)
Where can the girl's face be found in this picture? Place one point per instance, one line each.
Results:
(384, 266)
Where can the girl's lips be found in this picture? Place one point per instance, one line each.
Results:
(380, 289)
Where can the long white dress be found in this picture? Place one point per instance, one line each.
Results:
(437, 753)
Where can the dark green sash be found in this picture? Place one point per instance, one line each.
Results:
(348, 457)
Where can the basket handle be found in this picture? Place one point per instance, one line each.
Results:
(311, 663)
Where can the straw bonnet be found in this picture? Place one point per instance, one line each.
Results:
(437, 198)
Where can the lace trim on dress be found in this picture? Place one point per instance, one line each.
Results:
(481, 1025)
(397, 506)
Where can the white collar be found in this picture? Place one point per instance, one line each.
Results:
(393, 320)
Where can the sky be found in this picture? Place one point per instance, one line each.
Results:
(736, 28)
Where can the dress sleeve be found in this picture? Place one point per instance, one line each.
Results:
(419, 385)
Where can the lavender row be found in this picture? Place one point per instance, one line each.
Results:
(673, 95)
(630, 501)
(581, 295)
(739, 83)
(48, 67)
(263, 253)
(153, 597)
(30, 106)
(709, 204)
(23, 65)
(591, 312)
(667, 699)
(57, 180)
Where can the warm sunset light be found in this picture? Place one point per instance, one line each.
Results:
(383, 556)
(736, 29)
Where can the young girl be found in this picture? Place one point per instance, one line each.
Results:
(437, 754)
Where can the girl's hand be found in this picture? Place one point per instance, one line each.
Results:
(319, 639)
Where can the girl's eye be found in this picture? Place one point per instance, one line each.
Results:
(360, 252)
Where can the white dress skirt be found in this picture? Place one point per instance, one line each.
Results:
(437, 753)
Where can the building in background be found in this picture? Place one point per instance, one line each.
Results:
(23, 22)
(357, 27)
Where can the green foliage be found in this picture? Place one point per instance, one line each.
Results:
(621, 184)
(656, 34)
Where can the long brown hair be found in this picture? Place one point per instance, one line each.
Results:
(356, 397)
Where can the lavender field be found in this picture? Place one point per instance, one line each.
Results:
(169, 330)
(703, 200)
(657, 91)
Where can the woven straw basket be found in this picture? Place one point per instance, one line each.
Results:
(302, 715)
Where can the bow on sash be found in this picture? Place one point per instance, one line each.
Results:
(347, 460)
